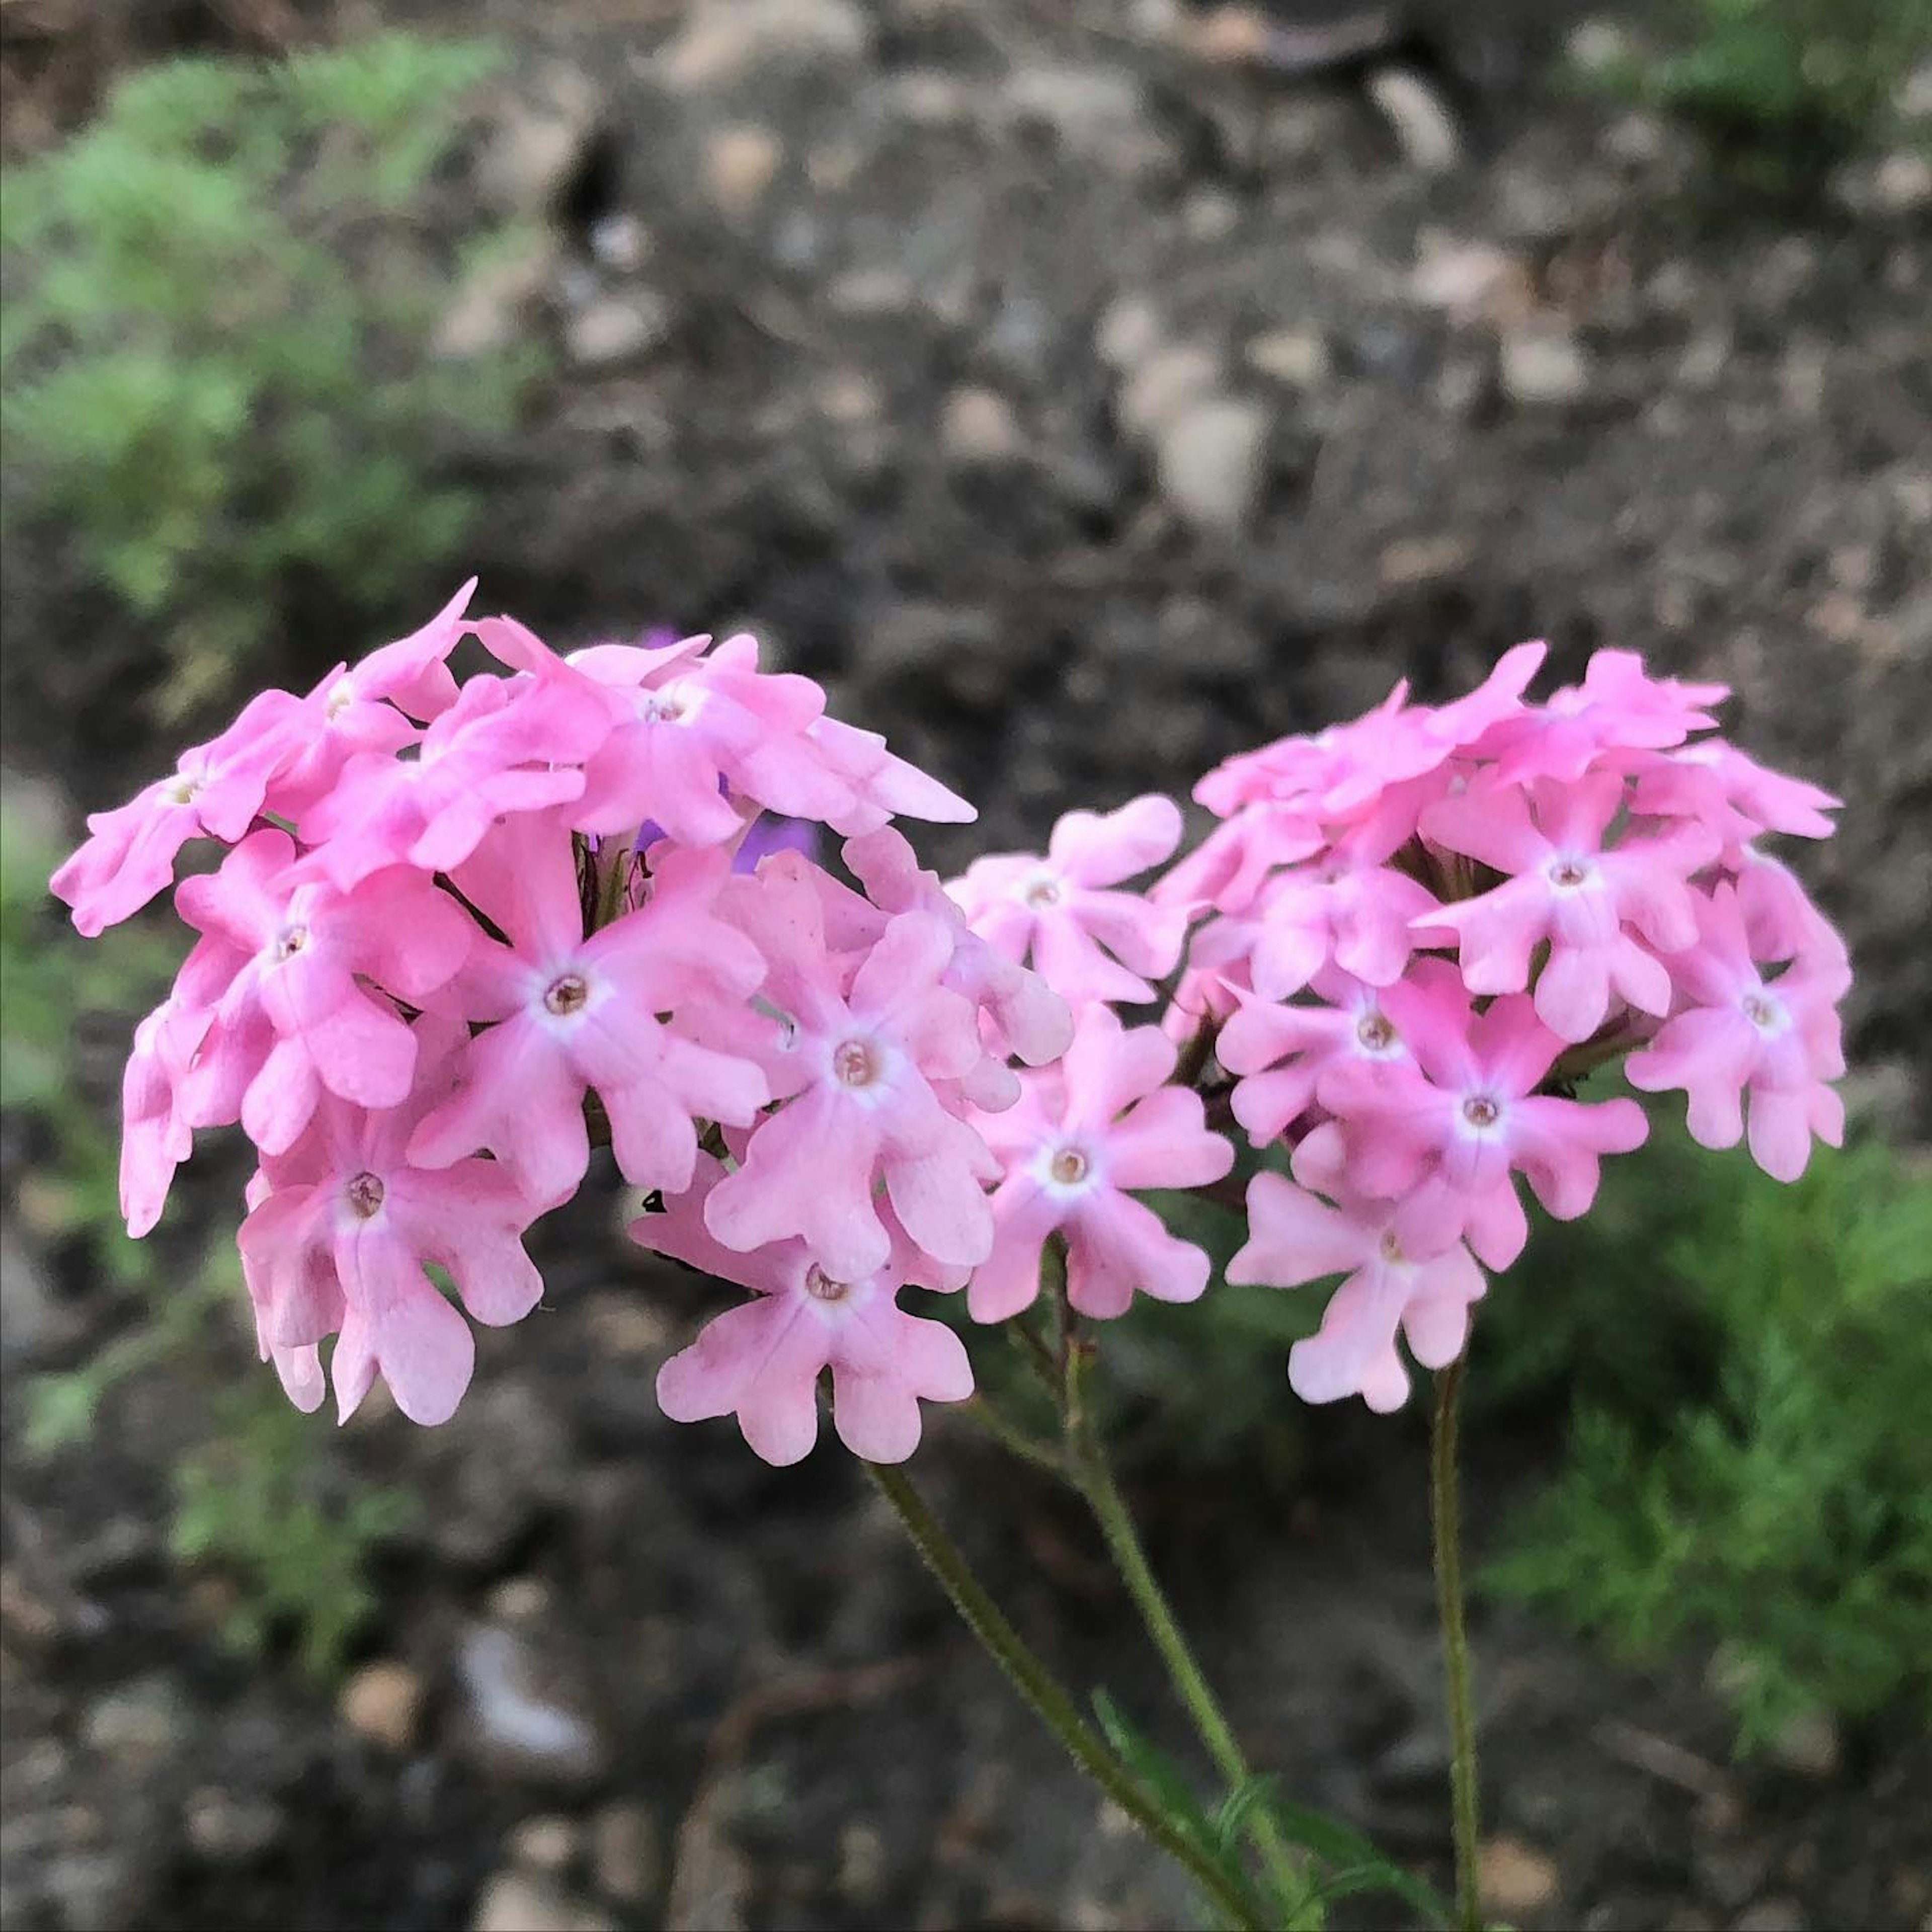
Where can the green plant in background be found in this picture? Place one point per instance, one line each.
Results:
(217, 372)
(1779, 91)
(258, 1505)
(1749, 1459)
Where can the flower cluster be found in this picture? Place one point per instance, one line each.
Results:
(464, 932)
(1425, 926)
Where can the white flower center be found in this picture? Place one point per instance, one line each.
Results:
(1391, 1248)
(821, 1287)
(1480, 1112)
(854, 1063)
(1569, 874)
(566, 994)
(1764, 1013)
(1069, 1166)
(341, 696)
(182, 790)
(288, 942)
(1044, 891)
(1374, 1034)
(365, 1196)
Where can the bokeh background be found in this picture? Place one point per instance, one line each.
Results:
(1083, 390)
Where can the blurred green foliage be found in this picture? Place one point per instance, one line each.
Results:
(1748, 1464)
(216, 375)
(258, 1497)
(1779, 91)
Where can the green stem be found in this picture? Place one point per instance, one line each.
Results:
(1038, 1686)
(1447, 1518)
(1097, 1484)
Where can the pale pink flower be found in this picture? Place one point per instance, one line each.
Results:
(864, 1045)
(1085, 1135)
(1088, 942)
(1592, 906)
(1618, 706)
(1294, 1238)
(297, 1017)
(571, 1014)
(879, 785)
(1281, 1052)
(1777, 1039)
(506, 745)
(215, 793)
(762, 1361)
(1737, 797)
(343, 1239)
(156, 1135)
(1448, 1133)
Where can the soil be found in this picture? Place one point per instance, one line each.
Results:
(1080, 407)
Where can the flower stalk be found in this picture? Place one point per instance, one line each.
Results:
(1446, 1518)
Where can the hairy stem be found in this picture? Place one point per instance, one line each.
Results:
(1052, 1703)
(1446, 1515)
(1095, 1479)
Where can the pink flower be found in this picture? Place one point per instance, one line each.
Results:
(342, 1239)
(1568, 891)
(761, 1362)
(1778, 1040)
(156, 1135)
(1294, 1238)
(1734, 796)
(865, 1045)
(215, 793)
(879, 785)
(369, 706)
(572, 1013)
(1618, 706)
(1084, 1135)
(505, 746)
(1088, 943)
(1282, 1052)
(295, 1018)
(1448, 1132)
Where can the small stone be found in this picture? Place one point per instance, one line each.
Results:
(1096, 111)
(1516, 1879)
(526, 1719)
(1598, 46)
(1913, 98)
(617, 328)
(739, 164)
(1209, 215)
(1810, 1743)
(1163, 383)
(862, 1864)
(544, 1844)
(624, 1854)
(1543, 362)
(1297, 357)
(723, 41)
(1211, 460)
(1425, 128)
(872, 292)
(514, 1901)
(1636, 140)
(383, 1702)
(525, 1600)
(1414, 560)
(849, 398)
(1127, 333)
(1772, 1914)
(621, 242)
(1902, 184)
(230, 1828)
(978, 426)
(626, 1326)
(1468, 280)
(139, 1722)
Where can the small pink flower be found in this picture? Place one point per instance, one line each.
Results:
(1734, 796)
(342, 1239)
(865, 1044)
(1448, 1133)
(1778, 1040)
(1294, 1238)
(1618, 706)
(215, 793)
(879, 785)
(762, 1361)
(1087, 942)
(297, 1018)
(1084, 1135)
(1282, 1052)
(1591, 905)
(571, 1013)
(156, 1134)
(505, 746)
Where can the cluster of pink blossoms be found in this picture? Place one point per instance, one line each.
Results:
(464, 932)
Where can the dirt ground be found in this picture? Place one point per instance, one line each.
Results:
(1080, 409)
